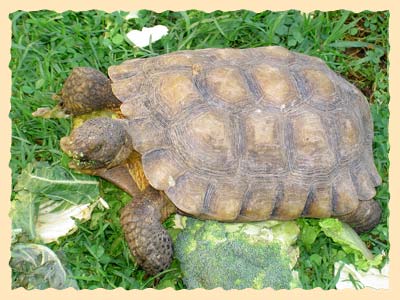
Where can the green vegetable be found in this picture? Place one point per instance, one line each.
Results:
(48, 198)
(37, 267)
(236, 256)
(343, 234)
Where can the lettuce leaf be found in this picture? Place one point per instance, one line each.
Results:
(351, 243)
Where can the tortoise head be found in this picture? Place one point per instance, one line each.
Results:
(98, 143)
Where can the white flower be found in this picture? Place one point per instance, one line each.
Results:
(147, 35)
(132, 15)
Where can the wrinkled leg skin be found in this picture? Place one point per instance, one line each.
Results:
(365, 217)
(148, 240)
(86, 90)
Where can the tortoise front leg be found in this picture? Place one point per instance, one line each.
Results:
(86, 90)
(148, 240)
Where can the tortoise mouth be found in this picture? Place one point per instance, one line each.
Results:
(83, 165)
(78, 159)
(65, 144)
(69, 148)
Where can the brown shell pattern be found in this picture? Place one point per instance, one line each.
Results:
(249, 134)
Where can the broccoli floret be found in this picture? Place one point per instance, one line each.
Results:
(237, 256)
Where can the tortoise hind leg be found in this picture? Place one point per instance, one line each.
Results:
(86, 90)
(148, 240)
(365, 217)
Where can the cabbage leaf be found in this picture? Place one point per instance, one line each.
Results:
(48, 198)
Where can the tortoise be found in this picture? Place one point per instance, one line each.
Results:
(234, 135)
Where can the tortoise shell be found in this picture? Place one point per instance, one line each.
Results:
(249, 134)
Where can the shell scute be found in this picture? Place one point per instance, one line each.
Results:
(276, 84)
(264, 143)
(311, 148)
(175, 92)
(259, 201)
(206, 142)
(227, 84)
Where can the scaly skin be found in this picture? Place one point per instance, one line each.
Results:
(365, 217)
(85, 90)
(148, 240)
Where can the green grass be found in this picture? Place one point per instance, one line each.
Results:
(47, 45)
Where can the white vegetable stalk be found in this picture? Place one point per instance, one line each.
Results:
(51, 226)
(374, 278)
